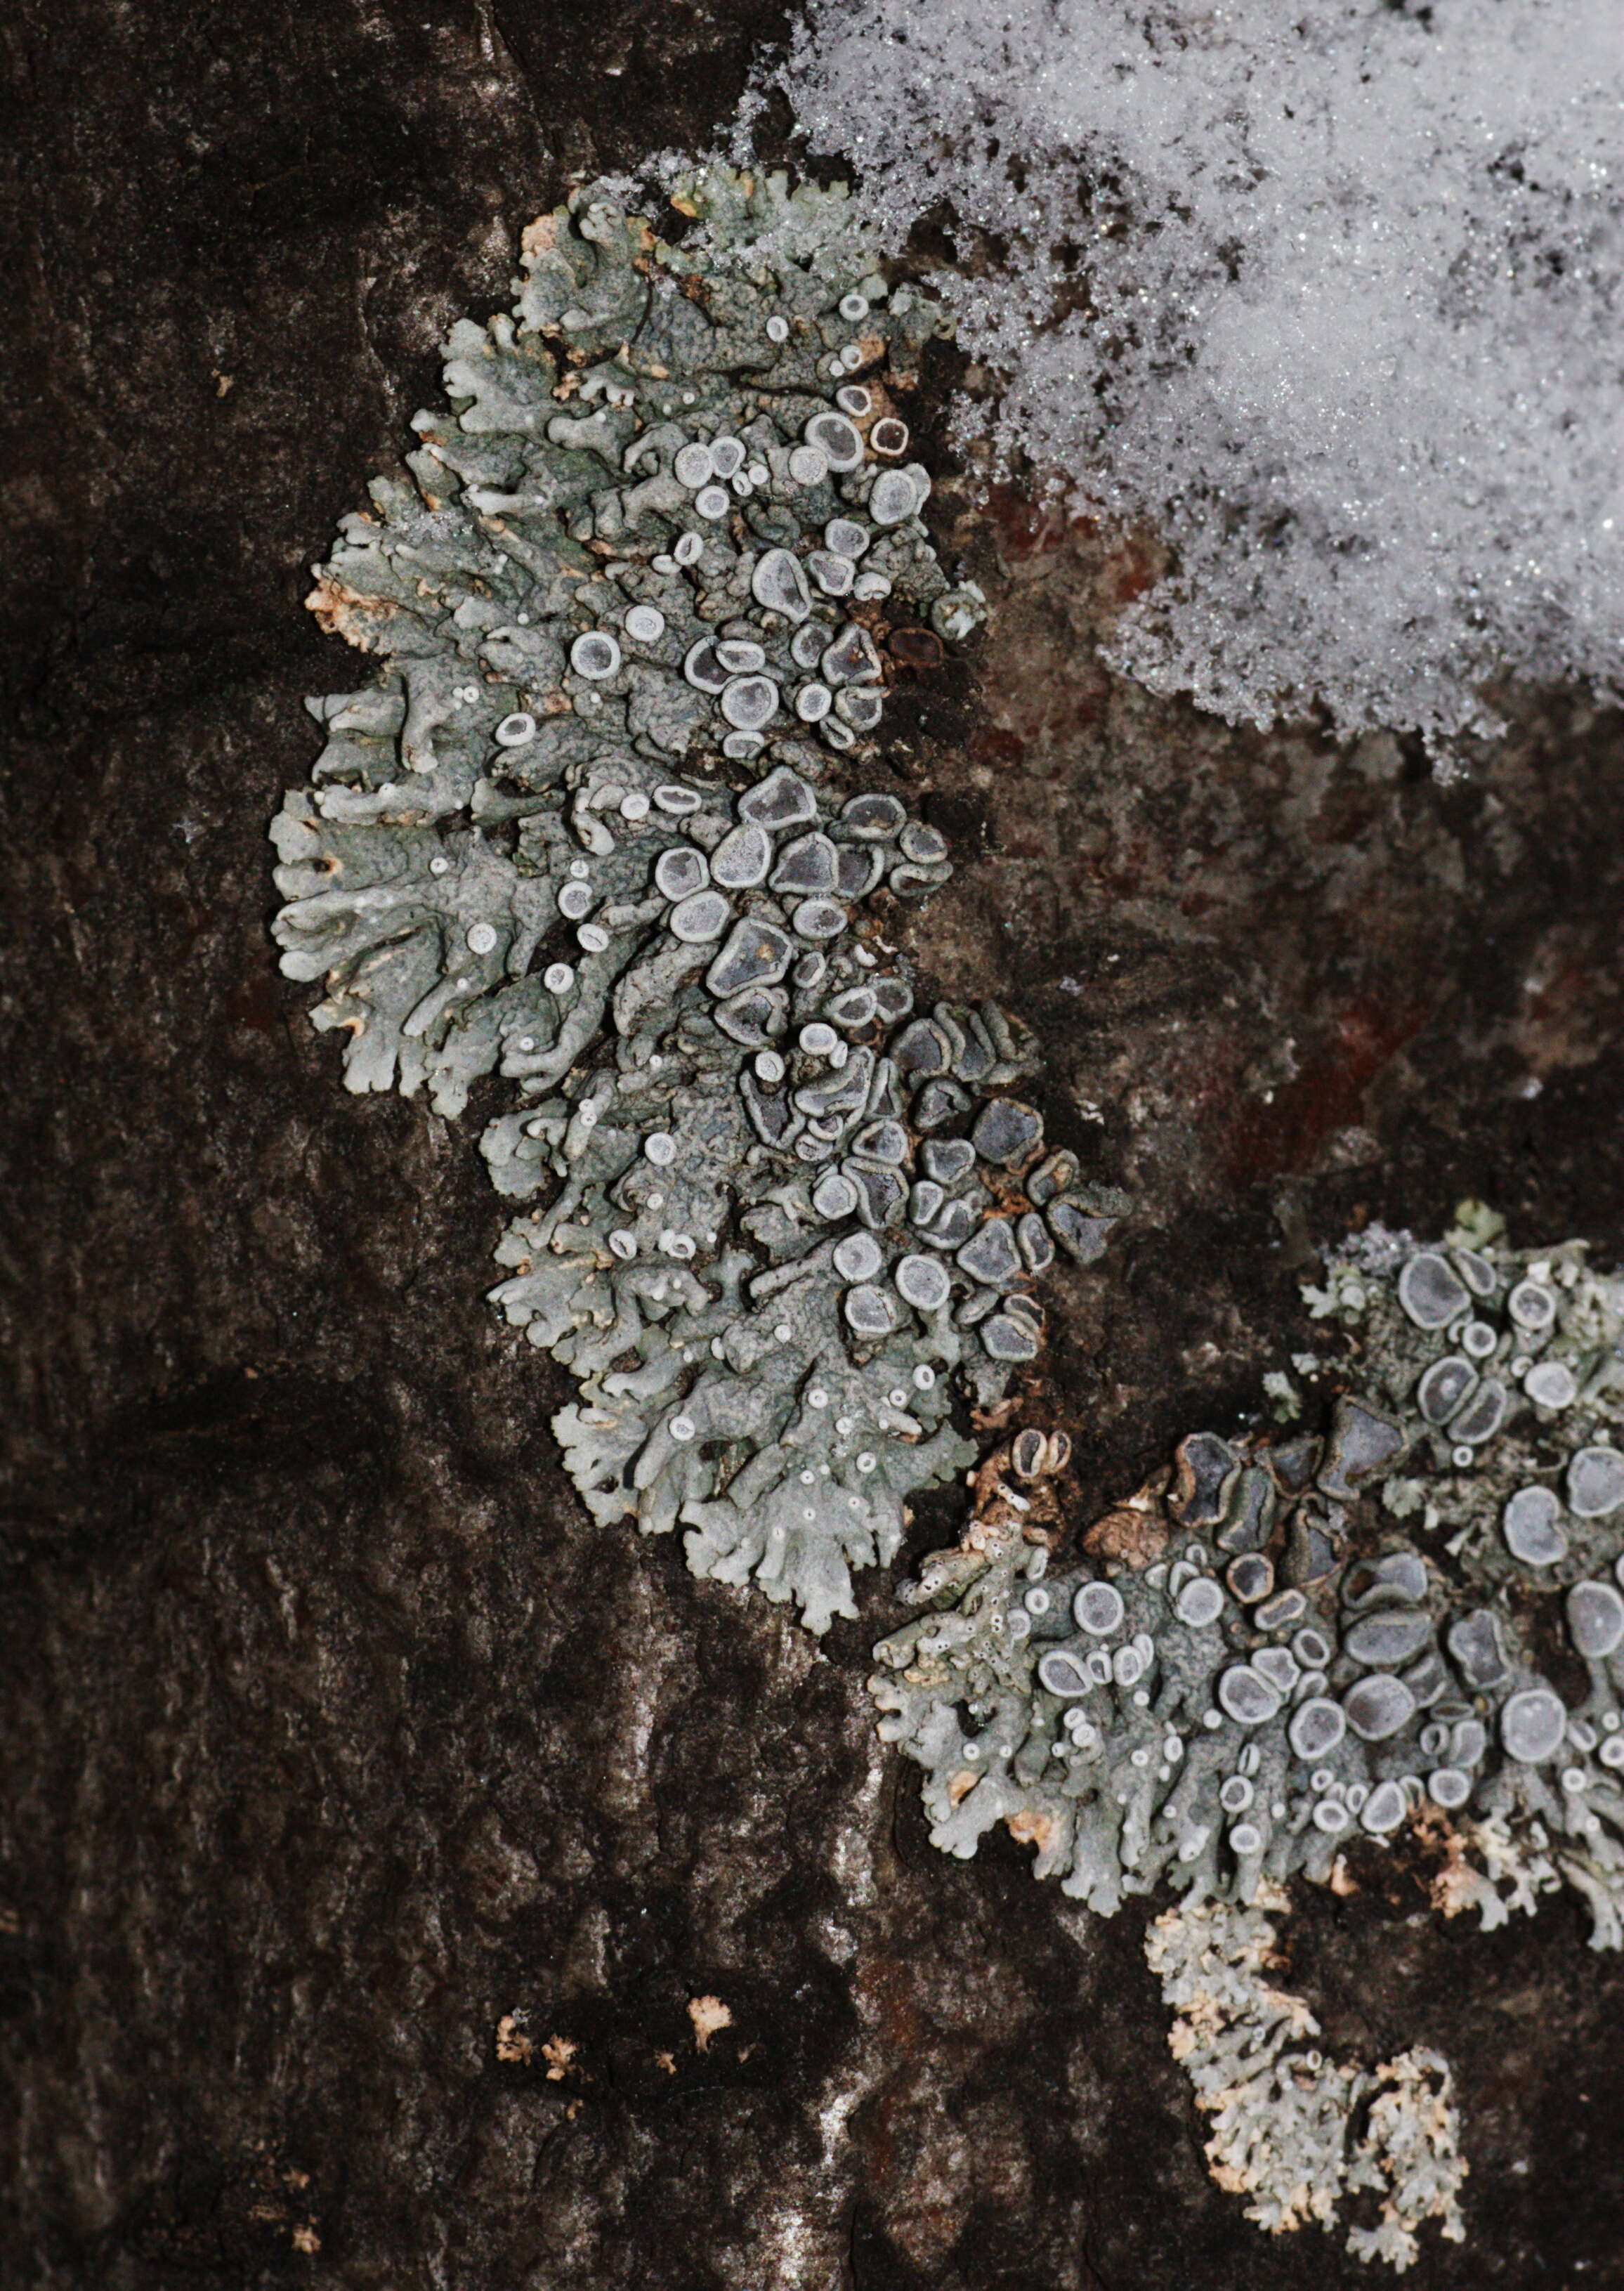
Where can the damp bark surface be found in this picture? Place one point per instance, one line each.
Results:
(404, 1884)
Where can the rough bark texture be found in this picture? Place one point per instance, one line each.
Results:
(374, 1829)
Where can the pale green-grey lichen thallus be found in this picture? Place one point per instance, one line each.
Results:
(1408, 1624)
(1293, 2131)
(1405, 1626)
(642, 592)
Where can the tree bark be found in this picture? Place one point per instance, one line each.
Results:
(406, 1884)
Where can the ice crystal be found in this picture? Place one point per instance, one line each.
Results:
(1284, 1643)
(651, 577)
(1328, 296)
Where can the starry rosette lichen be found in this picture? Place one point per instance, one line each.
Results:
(1281, 1645)
(667, 540)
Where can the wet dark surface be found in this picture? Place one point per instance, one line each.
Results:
(374, 1827)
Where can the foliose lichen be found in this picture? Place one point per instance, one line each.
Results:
(651, 577)
(1407, 1625)
(645, 591)
(1294, 2131)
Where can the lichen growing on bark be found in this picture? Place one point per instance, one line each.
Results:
(611, 826)
(1400, 1630)
(1408, 1624)
(1294, 2131)
(647, 585)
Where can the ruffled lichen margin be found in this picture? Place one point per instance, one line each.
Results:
(612, 823)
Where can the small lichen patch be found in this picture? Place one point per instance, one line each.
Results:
(559, 2052)
(1408, 2153)
(1292, 2131)
(512, 2044)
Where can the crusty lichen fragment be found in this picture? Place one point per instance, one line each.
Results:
(647, 584)
(1293, 2132)
(1287, 1643)
(1408, 2153)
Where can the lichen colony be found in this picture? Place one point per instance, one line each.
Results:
(612, 824)
(1411, 1620)
(645, 589)
(1402, 1629)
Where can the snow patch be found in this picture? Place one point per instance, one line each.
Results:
(1329, 297)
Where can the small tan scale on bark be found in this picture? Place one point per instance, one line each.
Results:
(709, 2016)
(1135, 1532)
(512, 2044)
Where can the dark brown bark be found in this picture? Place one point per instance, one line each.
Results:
(374, 1827)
